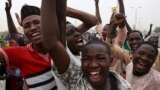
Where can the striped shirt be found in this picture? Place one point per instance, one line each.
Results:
(35, 67)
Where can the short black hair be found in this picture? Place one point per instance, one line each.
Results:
(97, 41)
(28, 10)
(148, 43)
(133, 31)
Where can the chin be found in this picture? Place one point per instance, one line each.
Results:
(138, 72)
(37, 42)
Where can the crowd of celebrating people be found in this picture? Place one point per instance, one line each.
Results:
(53, 54)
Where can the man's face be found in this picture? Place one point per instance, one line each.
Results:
(31, 26)
(143, 59)
(74, 38)
(134, 39)
(105, 31)
(95, 64)
(154, 41)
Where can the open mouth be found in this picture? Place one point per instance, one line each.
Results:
(79, 42)
(141, 65)
(94, 76)
(35, 36)
(135, 46)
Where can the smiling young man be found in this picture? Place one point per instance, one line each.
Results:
(32, 59)
(74, 33)
(140, 73)
(93, 74)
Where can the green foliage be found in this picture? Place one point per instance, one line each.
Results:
(3, 43)
(157, 30)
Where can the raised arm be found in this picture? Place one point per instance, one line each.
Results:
(149, 32)
(50, 31)
(99, 27)
(116, 50)
(61, 7)
(87, 19)
(12, 29)
(121, 6)
(122, 10)
(97, 11)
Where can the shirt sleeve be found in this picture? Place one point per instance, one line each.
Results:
(11, 55)
(118, 52)
(71, 76)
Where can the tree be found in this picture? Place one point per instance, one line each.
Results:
(157, 31)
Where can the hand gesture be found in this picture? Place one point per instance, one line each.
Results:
(18, 19)
(96, 1)
(8, 5)
(118, 19)
(151, 25)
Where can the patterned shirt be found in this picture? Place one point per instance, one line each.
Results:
(73, 79)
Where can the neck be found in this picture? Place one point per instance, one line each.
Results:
(39, 48)
(135, 73)
(75, 52)
(105, 86)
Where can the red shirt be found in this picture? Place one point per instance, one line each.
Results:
(31, 64)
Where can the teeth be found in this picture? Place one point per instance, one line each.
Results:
(93, 73)
(35, 34)
(79, 40)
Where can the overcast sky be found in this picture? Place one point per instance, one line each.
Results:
(148, 13)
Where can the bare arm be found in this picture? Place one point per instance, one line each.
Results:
(18, 19)
(122, 10)
(97, 11)
(99, 27)
(149, 32)
(12, 29)
(87, 19)
(50, 29)
(61, 7)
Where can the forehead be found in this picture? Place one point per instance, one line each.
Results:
(70, 26)
(95, 49)
(134, 34)
(146, 49)
(31, 18)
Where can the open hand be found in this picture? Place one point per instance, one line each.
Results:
(8, 5)
(96, 1)
(118, 19)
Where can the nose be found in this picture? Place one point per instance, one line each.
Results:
(93, 64)
(33, 27)
(144, 58)
(134, 41)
